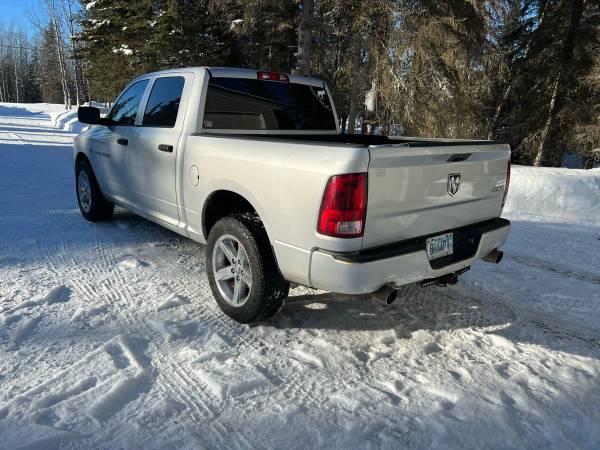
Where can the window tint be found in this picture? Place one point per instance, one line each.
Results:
(246, 104)
(163, 104)
(126, 107)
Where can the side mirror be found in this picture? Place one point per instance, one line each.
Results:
(89, 115)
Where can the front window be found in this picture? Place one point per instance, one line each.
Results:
(247, 104)
(126, 107)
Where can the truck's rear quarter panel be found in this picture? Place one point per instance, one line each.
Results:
(284, 182)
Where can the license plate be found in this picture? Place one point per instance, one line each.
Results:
(439, 246)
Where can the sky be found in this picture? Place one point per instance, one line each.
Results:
(15, 11)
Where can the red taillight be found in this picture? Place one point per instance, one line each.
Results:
(272, 76)
(344, 206)
(506, 184)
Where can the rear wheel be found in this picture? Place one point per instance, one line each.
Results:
(241, 268)
(92, 204)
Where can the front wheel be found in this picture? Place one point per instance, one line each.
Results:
(241, 268)
(92, 204)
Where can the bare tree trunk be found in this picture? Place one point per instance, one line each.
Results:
(55, 23)
(509, 87)
(71, 19)
(539, 154)
(89, 91)
(2, 98)
(16, 78)
(354, 88)
(61, 65)
(305, 30)
(77, 88)
(351, 116)
(343, 125)
(5, 87)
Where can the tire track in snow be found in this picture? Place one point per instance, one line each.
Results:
(242, 339)
(112, 285)
(200, 406)
(576, 274)
(523, 317)
(93, 278)
(67, 263)
(91, 382)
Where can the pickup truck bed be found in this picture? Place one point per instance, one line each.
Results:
(408, 180)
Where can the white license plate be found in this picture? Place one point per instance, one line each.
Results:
(439, 246)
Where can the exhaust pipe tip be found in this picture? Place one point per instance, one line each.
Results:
(448, 279)
(495, 256)
(386, 294)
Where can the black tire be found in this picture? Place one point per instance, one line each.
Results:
(99, 208)
(269, 290)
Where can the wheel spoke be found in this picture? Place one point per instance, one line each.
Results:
(247, 279)
(229, 252)
(237, 284)
(225, 273)
(241, 256)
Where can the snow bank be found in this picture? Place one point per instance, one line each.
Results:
(560, 195)
(39, 110)
(67, 120)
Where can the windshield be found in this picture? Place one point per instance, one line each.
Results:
(246, 104)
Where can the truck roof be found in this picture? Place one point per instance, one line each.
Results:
(233, 72)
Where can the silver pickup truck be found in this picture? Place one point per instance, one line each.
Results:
(253, 165)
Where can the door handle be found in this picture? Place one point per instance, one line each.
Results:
(165, 148)
(122, 141)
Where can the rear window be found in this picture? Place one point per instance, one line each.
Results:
(246, 104)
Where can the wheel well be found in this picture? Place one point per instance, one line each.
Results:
(81, 157)
(221, 204)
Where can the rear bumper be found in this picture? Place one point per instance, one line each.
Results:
(404, 262)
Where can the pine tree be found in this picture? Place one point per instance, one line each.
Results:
(114, 43)
(432, 76)
(31, 84)
(548, 96)
(261, 34)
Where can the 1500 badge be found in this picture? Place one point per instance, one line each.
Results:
(499, 186)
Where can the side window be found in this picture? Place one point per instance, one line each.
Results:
(163, 103)
(126, 107)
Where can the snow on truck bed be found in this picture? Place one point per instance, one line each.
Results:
(110, 338)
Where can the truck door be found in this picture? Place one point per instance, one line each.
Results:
(110, 145)
(153, 160)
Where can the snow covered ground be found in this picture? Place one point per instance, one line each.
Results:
(110, 338)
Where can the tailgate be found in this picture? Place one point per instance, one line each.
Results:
(424, 189)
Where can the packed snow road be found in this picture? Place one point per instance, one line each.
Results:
(110, 338)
